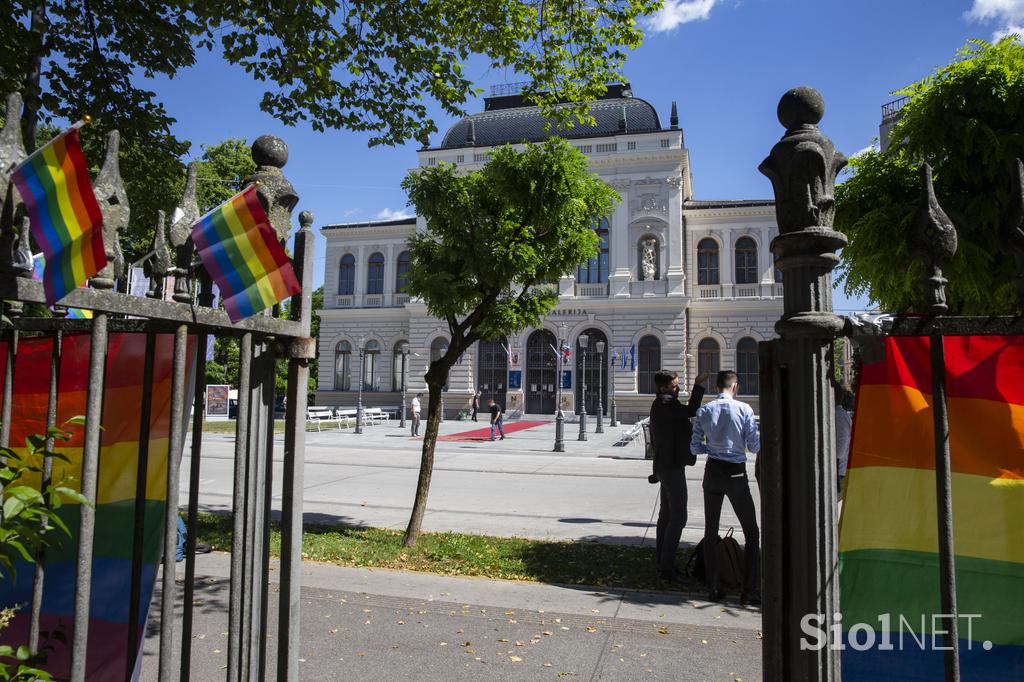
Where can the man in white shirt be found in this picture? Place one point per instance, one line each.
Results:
(416, 414)
(730, 430)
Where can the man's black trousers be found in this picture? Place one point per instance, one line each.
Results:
(729, 479)
(671, 517)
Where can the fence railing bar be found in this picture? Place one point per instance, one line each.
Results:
(237, 587)
(139, 523)
(256, 519)
(944, 511)
(45, 481)
(267, 454)
(174, 448)
(112, 302)
(89, 479)
(198, 415)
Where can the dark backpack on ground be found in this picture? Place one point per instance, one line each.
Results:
(730, 561)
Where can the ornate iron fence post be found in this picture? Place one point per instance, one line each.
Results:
(802, 167)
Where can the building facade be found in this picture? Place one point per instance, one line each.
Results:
(679, 284)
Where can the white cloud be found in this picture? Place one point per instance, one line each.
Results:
(676, 12)
(873, 147)
(1009, 14)
(388, 214)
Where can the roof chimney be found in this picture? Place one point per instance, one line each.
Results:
(622, 119)
(471, 133)
(673, 119)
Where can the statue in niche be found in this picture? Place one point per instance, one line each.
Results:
(649, 259)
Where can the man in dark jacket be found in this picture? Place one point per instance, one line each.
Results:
(671, 432)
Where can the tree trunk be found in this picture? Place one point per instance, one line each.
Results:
(419, 506)
(33, 69)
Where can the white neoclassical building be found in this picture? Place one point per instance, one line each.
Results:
(682, 284)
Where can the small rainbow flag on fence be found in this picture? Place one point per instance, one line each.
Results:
(240, 250)
(38, 268)
(66, 220)
(888, 561)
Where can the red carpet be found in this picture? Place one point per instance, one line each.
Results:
(484, 434)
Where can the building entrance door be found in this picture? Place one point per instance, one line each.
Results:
(492, 372)
(540, 373)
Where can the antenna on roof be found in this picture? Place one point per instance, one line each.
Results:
(673, 119)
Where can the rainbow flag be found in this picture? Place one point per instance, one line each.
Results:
(38, 268)
(115, 504)
(240, 250)
(888, 561)
(62, 209)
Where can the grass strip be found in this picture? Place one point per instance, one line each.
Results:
(595, 564)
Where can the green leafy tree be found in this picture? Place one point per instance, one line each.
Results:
(495, 238)
(371, 65)
(965, 120)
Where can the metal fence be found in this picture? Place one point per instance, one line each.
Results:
(263, 340)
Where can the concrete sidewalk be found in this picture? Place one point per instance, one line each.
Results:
(366, 624)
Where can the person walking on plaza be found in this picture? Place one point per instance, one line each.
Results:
(476, 404)
(496, 419)
(844, 427)
(730, 430)
(416, 414)
(671, 431)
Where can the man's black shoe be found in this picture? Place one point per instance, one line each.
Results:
(716, 596)
(752, 600)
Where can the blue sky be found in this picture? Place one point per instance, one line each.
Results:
(725, 62)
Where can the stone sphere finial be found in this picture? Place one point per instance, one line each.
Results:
(801, 106)
(270, 150)
(305, 220)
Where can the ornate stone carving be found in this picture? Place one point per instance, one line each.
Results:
(620, 183)
(184, 217)
(158, 265)
(1012, 229)
(652, 204)
(12, 152)
(275, 192)
(676, 181)
(113, 200)
(802, 166)
(649, 259)
(932, 240)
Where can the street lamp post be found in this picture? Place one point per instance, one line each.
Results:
(444, 351)
(600, 386)
(614, 420)
(559, 417)
(405, 372)
(584, 340)
(359, 403)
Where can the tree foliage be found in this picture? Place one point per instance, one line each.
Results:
(965, 120)
(496, 237)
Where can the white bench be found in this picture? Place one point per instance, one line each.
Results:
(345, 417)
(319, 415)
(375, 415)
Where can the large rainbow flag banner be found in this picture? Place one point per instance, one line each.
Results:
(888, 561)
(240, 250)
(66, 220)
(115, 504)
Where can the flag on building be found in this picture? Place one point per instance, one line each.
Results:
(623, 368)
(63, 212)
(888, 561)
(508, 353)
(566, 352)
(240, 250)
(632, 358)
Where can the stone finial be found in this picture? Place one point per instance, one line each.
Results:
(305, 221)
(1012, 229)
(673, 119)
(932, 240)
(803, 165)
(158, 265)
(113, 201)
(184, 217)
(12, 152)
(275, 192)
(22, 262)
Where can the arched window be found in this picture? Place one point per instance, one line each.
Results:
(648, 251)
(707, 261)
(775, 267)
(347, 275)
(595, 270)
(746, 261)
(402, 271)
(343, 366)
(746, 365)
(708, 357)
(400, 368)
(649, 350)
(371, 360)
(439, 347)
(375, 274)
